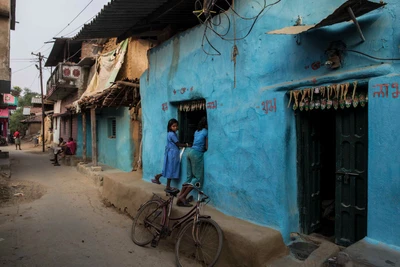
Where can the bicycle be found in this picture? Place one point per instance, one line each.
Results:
(199, 240)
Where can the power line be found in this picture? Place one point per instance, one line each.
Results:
(80, 26)
(74, 18)
(46, 43)
(34, 80)
(23, 68)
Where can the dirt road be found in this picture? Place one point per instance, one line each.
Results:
(67, 225)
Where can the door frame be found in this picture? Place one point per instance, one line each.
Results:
(302, 198)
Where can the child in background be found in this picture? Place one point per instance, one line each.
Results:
(171, 166)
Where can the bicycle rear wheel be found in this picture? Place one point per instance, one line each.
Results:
(199, 246)
(146, 222)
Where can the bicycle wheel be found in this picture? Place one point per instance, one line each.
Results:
(148, 218)
(199, 246)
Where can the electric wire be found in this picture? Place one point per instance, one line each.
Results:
(46, 43)
(79, 26)
(209, 24)
(23, 68)
(75, 18)
(33, 81)
(373, 57)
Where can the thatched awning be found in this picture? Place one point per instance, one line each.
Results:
(121, 93)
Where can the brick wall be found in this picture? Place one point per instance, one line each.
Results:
(67, 101)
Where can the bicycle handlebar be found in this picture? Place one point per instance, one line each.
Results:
(201, 193)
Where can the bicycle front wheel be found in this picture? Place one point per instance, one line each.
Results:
(199, 244)
(147, 223)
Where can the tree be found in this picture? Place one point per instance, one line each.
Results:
(15, 121)
(26, 98)
(16, 91)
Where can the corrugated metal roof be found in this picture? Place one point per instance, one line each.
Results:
(26, 111)
(341, 14)
(36, 100)
(123, 18)
(64, 48)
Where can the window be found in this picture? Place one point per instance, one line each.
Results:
(190, 113)
(112, 128)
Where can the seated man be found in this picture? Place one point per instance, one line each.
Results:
(70, 147)
(58, 149)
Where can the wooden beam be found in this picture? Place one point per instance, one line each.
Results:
(134, 85)
(84, 152)
(354, 19)
(94, 136)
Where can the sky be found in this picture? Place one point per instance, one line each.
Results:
(38, 22)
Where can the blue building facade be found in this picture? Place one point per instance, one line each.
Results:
(115, 147)
(256, 166)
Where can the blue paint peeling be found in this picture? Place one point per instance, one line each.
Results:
(250, 167)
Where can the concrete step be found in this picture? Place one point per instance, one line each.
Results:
(368, 253)
(245, 244)
(314, 252)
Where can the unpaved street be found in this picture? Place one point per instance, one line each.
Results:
(67, 226)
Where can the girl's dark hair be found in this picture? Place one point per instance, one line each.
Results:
(202, 124)
(170, 122)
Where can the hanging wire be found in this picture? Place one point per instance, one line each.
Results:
(74, 18)
(211, 25)
(23, 68)
(373, 57)
(66, 35)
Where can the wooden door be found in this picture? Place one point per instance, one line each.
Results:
(351, 175)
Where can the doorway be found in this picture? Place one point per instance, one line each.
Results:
(190, 114)
(332, 169)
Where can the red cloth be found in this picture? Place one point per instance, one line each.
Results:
(72, 146)
(16, 134)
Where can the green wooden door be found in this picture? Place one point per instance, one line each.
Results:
(309, 162)
(351, 175)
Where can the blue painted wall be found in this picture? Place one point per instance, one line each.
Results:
(384, 163)
(250, 168)
(88, 136)
(115, 152)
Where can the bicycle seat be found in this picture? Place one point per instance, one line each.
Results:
(173, 192)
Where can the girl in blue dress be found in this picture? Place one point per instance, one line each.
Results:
(171, 166)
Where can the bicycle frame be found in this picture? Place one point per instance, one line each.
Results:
(165, 229)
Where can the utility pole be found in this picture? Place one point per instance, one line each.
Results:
(41, 91)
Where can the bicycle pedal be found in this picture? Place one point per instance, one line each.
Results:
(154, 242)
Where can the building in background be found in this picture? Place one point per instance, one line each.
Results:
(8, 104)
(7, 23)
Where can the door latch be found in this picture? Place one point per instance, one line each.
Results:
(345, 176)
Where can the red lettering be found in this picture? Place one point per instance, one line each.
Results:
(269, 105)
(212, 105)
(396, 93)
(383, 90)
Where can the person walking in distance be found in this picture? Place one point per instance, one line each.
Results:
(171, 166)
(17, 139)
(195, 163)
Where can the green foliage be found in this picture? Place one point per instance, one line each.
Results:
(26, 98)
(16, 91)
(15, 121)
